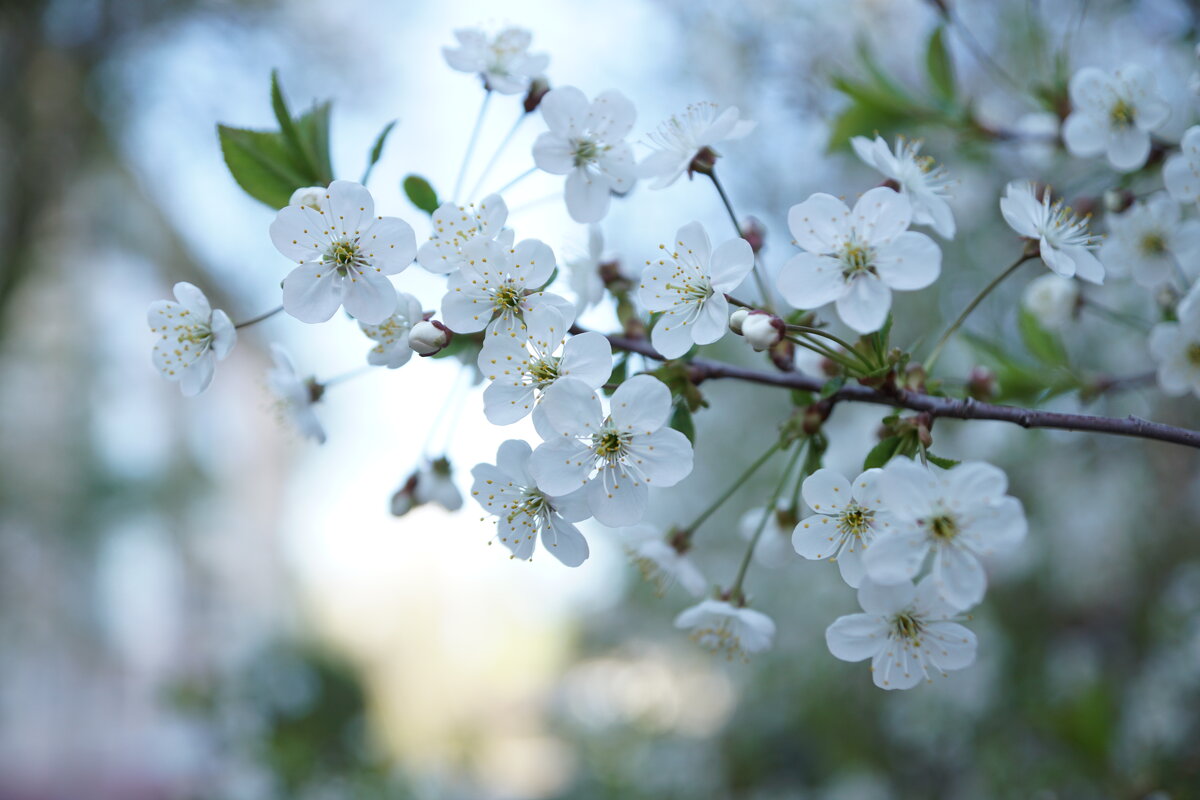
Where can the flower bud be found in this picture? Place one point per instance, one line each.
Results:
(428, 337)
(981, 384)
(763, 330)
(754, 232)
(737, 318)
(308, 196)
(1051, 299)
(538, 88)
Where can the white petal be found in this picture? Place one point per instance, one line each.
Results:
(616, 497)
(885, 599)
(572, 408)
(958, 575)
(811, 281)
(532, 262)
(910, 261)
(349, 207)
(299, 233)
(564, 541)
(1181, 174)
(896, 557)
(881, 214)
(693, 240)
(820, 223)
(856, 637)
(587, 196)
(390, 244)
(587, 357)
(896, 667)
(505, 401)
(909, 489)
(312, 292)
(975, 482)
(1084, 135)
(641, 404)
(1128, 148)
(671, 337)
(564, 110)
(949, 646)
(730, 264)
(816, 537)
(865, 307)
(196, 377)
(560, 466)
(369, 298)
(553, 153)
(826, 491)
(611, 116)
(664, 457)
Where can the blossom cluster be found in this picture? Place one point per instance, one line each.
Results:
(912, 534)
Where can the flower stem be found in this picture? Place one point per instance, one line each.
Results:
(937, 348)
(737, 226)
(462, 171)
(735, 591)
(346, 376)
(1112, 315)
(259, 318)
(849, 348)
(496, 155)
(827, 352)
(515, 180)
(745, 476)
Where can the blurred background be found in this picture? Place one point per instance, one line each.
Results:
(195, 603)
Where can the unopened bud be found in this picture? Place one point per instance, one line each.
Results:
(763, 330)
(982, 384)
(754, 232)
(538, 88)
(814, 417)
(310, 196)
(405, 498)
(783, 355)
(737, 318)
(428, 337)
(914, 378)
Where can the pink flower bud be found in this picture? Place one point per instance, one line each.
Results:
(763, 330)
(428, 337)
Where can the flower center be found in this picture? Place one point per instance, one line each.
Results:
(508, 297)
(344, 255)
(1154, 244)
(532, 504)
(1193, 354)
(855, 520)
(544, 371)
(695, 290)
(857, 259)
(607, 443)
(1122, 113)
(586, 151)
(943, 527)
(906, 626)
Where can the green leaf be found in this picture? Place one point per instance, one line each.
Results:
(262, 164)
(944, 463)
(863, 120)
(881, 453)
(801, 398)
(619, 372)
(287, 126)
(832, 386)
(1043, 345)
(377, 149)
(681, 420)
(313, 128)
(421, 194)
(940, 67)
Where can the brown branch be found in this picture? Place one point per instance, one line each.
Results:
(948, 407)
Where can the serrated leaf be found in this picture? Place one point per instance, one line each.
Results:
(1042, 344)
(681, 420)
(262, 164)
(940, 67)
(421, 194)
(377, 150)
(881, 453)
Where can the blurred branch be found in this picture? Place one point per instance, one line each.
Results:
(700, 370)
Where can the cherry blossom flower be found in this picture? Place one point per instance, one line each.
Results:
(1114, 114)
(1149, 240)
(297, 395)
(681, 138)
(660, 562)
(847, 519)
(435, 484)
(923, 182)
(857, 258)
(1181, 173)
(583, 274)
(495, 287)
(192, 338)
(345, 254)
(523, 512)
(1176, 348)
(1051, 299)
(522, 368)
(688, 285)
(960, 514)
(718, 626)
(1064, 242)
(619, 456)
(503, 61)
(774, 546)
(391, 335)
(455, 225)
(907, 631)
(586, 142)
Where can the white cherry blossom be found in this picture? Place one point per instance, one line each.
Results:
(1175, 346)
(586, 142)
(495, 287)
(1051, 299)
(191, 338)
(523, 512)
(1181, 172)
(960, 514)
(297, 395)
(678, 140)
(522, 368)
(923, 182)
(660, 562)
(345, 254)
(503, 61)
(1113, 114)
(1064, 242)
(857, 258)
(721, 627)
(435, 484)
(583, 273)
(907, 631)
(687, 283)
(618, 457)
(1150, 240)
(391, 336)
(455, 225)
(848, 517)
